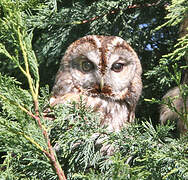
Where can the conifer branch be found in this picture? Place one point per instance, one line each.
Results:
(32, 141)
(17, 104)
(34, 91)
(30, 80)
(114, 11)
(24, 135)
(6, 53)
(50, 153)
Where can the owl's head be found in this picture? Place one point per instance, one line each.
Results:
(102, 66)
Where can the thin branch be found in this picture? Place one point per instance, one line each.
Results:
(29, 78)
(34, 91)
(32, 141)
(50, 153)
(13, 130)
(114, 11)
(37, 81)
(16, 104)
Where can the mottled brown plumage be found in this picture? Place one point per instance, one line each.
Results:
(106, 71)
(178, 107)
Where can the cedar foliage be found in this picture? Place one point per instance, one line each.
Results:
(34, 35)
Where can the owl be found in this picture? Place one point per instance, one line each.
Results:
(180, 108)
(106, 72)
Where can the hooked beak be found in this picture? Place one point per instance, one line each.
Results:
(101, 84)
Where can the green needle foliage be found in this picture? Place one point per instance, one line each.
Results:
(66, 142)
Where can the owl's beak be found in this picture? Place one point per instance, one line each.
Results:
(101, 83)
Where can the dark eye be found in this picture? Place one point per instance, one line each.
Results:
(117, 67)
(87, 66)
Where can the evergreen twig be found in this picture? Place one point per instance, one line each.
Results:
(114, 11)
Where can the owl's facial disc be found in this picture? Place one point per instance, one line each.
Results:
(87, 66)
(100, 89)
(87, 76)
(84, 73)
(101, 83)
(83, 64)
(117, 67)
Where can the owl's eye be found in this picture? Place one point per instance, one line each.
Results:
(117, 67)
(87, 66)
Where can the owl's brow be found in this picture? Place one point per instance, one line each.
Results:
(104, 49)
(123, 45)
(86, 40)
(103, 61)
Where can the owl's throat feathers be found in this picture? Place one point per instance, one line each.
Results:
(101, 88)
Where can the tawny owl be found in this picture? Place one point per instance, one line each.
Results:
(106, 71)
(179, 108)
(180, 105)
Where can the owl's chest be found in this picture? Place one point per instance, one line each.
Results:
(114, 114)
